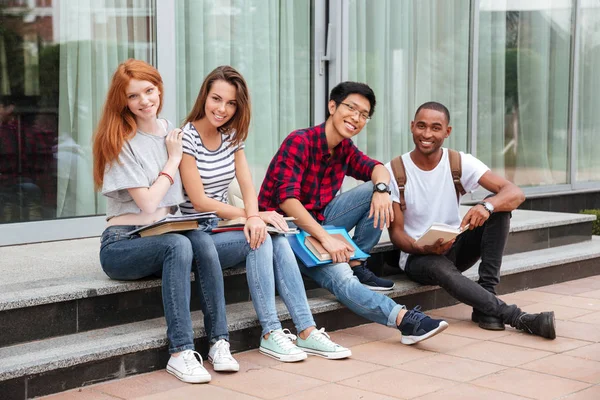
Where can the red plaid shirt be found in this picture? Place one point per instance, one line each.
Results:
(304, 169)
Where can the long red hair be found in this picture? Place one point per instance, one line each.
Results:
(117, 123)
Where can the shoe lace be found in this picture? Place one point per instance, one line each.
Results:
(284, 339)
(323, 337)
(415, 315)
(222, 350)
(190, 360)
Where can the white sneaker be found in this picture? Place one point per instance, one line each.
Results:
(187, 368)
(220, 357)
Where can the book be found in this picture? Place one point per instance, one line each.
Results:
(317, 248)
(439, 231)
(298, 245)
(237, 224)
(173, 223)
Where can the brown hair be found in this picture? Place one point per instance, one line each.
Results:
(117, 122)
(240, 122)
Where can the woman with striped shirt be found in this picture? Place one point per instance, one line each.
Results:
(213, 147)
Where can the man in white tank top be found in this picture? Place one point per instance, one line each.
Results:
(431, 197)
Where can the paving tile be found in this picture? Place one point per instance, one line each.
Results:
(457, 311)
(469, 392)
(471, 330)
(249, 361)
(562, 288)
(592, 393)
(591, 318)
(530, 384)
(268, 383)
(403, 385)
(209, 391)
(346, 339)
(529, 295)
(567, 367)
(591, 352)
(583, 283)
(586, 303)
(80, 394)
(450, 367)
(256, 359)
(329, 370)
(372, 332)
(500, 353)
(560, 312)
(141, 385)
(594, 294)
(558, 345)
(334, 391)
(444, 343)
(578, 330)
(387, 353)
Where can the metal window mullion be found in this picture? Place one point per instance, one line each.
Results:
(319, 32)
(574, 96)
(473, 83)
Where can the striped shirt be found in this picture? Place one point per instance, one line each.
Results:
(216, 167)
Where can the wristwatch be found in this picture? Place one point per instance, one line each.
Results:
(488, 206)
(381, 188)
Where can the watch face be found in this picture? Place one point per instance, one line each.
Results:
(381, 187)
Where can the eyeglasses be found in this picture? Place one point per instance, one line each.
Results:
(364, 116)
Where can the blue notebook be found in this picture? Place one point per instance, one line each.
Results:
(308, 258)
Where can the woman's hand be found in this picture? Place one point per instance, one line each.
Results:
(174, 141)
(275, 219)
(255, 231)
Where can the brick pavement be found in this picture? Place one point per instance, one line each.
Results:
(465, 362)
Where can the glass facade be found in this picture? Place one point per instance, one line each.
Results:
(518, 77)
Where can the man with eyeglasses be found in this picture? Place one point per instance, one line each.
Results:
(302, 181)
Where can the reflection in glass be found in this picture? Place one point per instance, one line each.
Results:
(268, 42)
(409, 52)
(588, 112)
(523, 89)
(56, 60)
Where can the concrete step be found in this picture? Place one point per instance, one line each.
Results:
(73, 360)
(58, 288)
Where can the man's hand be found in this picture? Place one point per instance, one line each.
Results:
(438, 247)
(381, 210)
(340, 251)
(475, 217)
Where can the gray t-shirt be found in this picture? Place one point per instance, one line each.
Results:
(141, 159)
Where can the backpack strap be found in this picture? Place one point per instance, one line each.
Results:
(456, 169)
(400, 175)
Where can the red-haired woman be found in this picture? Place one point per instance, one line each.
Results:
(136, 160)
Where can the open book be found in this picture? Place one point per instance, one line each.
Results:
(237, 224)
(319, 251)
(173, 223)
(439, 231)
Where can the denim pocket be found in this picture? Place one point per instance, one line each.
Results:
(114, 234)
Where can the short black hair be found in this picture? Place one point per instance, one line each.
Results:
(434, 105)
(345, 89)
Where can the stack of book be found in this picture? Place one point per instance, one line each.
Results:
(173, 223)
(237, 224)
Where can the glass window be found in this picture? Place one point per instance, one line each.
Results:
(56, 62)
(588, 112)
(523, 89)
(268, 42)
(409, 52)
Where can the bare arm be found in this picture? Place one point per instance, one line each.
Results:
(381, 203)
(148, 199)
(407, 244)
(508, 197)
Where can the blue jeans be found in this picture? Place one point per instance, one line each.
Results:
(131, 257)
(351, 210)
(272, 265)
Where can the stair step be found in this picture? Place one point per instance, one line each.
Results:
(60, 363)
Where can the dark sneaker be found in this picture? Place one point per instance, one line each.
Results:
(541, 324)
(488, 322)
(370, 280)
(416, 326)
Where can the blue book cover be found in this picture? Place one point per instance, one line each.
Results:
(308, 258)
